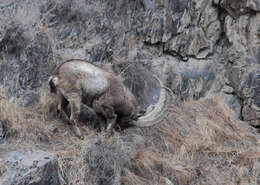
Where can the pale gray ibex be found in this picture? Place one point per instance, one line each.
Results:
(80, 82)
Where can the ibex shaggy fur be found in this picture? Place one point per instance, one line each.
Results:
(81, 82)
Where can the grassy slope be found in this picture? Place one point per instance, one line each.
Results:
(199, 143)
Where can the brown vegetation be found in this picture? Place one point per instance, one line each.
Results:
(198, 143)
(105, 93)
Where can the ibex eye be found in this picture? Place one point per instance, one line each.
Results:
(105, 93)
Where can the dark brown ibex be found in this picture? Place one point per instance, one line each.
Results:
(80, 82)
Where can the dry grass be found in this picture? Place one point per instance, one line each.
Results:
(23, 125)
(199, 143)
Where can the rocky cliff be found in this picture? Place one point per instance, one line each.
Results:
(201, 49)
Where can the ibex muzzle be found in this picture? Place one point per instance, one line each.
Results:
(81, 82)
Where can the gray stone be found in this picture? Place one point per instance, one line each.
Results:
(65, 33)
(244, 78)
(234, 7)
(243, 55)
(209, 50)
(208, 47)
(28, 168)
(148, 5)
(27, 60)
(52, 127)
(233, 103)
(243, 34)
(193, 79)
(29, 98)
(196, 34)
(253, 4)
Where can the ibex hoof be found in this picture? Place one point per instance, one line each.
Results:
(108, 133)
(77, 132)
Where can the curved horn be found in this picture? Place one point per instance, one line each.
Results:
(161, 110)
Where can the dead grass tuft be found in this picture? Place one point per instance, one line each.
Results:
(48, 104)
(24, 125)
(199, 143)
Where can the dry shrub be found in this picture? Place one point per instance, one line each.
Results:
(48, 104)
(200, 142)
(139, 80)
(106, 160)
(149, 166)
(96, 160)
(72, 167)
(218, 129)
(9, 110)
(24, 125)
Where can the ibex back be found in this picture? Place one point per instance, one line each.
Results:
(81, 82)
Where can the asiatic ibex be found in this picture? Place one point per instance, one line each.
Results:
(80, 82)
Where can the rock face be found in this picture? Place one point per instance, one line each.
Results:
(198, 30)
(28, 168)
(243, 61)
(244, 79)
(198, 48)
(203, 43)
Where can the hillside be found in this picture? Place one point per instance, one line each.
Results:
(205, 51)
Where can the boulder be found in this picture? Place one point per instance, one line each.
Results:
(33, 167)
